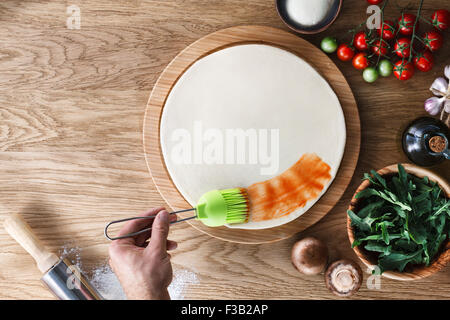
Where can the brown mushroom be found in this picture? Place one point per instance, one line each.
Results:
(310, 256)
(343, 277)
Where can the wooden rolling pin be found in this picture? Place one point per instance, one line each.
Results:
(60, 276)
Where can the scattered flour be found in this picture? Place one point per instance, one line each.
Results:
(105, 281)
(72, 253)
(181, 280)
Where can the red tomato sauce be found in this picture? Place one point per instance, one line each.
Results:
(292, 189)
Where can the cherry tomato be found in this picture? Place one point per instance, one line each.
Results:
(370, 74)
(360, 41)
(377, 49)
(406, 24)
(388, 30)
(402, 47)
(329, 44)
(374, 1)
(424, 61)
(403, 72)
(433, 40)
(345, 52)
(441, 19)
(360, 61)
(385, 68)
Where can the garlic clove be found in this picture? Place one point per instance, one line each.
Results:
(433, 105)
(447, 71)
(439, 87)
(447, 105)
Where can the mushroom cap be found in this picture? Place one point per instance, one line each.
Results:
(344, 277)
(309, 256)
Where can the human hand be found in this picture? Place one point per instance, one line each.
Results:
(143, 268)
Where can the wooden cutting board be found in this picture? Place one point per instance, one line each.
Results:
(236, 36)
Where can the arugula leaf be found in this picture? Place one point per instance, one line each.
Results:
(392, 198)
(433, 247)
(386, 195)
(370, 208)
(377, 247)
(379, 178)
(378, 237)
(398, 188)
(384, 232)
(358, 222)
(418, 232)
(403, 176)
(405, 245)
(399, 260)
(441, 209)
(368, 192)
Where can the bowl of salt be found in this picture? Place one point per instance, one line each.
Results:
(308, 16)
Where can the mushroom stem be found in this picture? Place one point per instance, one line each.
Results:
(343, 277)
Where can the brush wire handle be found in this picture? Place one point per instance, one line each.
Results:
(132, 234)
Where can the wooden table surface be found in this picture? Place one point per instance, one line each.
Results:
(71, 158)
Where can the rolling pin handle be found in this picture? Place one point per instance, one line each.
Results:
(16, 226)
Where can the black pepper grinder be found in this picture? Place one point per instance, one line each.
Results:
(426, 141)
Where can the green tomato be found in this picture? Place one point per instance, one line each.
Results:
(385, 68)
(329, 44)
(370, 74)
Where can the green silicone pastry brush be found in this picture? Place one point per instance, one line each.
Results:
(214, 208)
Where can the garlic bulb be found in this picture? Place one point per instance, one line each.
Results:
(441, 102)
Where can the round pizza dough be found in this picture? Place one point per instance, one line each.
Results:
(257, 88)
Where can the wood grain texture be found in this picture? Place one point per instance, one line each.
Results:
(71, 159)
(236, 36)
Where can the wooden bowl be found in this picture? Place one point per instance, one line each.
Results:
(411, 272)
(297, 27)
